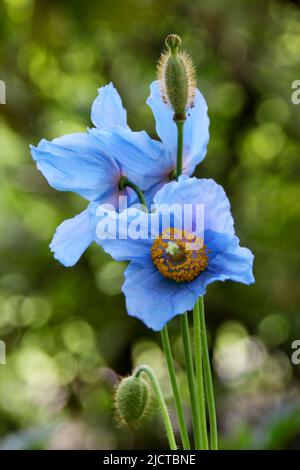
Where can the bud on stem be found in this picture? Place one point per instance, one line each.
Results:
(176, 75)
(132, 399)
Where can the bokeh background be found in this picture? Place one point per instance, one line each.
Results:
(67, 333)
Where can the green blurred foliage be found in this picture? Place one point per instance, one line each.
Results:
(67, 333)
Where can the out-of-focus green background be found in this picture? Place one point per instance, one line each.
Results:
(67, 333)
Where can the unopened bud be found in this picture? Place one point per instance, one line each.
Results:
(176, 74)
(173, 42)
(132, 400)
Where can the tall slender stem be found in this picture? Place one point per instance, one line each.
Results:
(199, 375)
(176, 392)
(163, 407)
(180, 125)
(208, 379)
(191, 378)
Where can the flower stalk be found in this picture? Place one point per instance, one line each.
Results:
(199, 375)
(208, 378)
(176, 392)
(124, 182)
(191, 379)
(180, 125)
(160, 399)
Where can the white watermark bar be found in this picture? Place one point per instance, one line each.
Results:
(2, 92)
(185, 222)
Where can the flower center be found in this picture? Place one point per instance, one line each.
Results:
(179, 255)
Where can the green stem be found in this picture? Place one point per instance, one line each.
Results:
(199, 376)
(163, 407)
(191, 378)
(180, 124)
(208, 379)
(125, 182)
(176, 393)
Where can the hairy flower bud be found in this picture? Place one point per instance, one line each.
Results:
(176, 74)
(132, 400)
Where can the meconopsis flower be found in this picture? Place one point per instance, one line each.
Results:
(173, 96)
(77, 163)
(170, 266)
(161, 169)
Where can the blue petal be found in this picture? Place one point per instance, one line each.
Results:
(227, 261)
(139, 157)
(196, 128)
(217, 216)
(107, 109)
(75, 163)
(117, 233)
(152, 298)
(71, 239)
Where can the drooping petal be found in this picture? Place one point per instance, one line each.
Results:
(71, 239)
(163, 114)
(107, 109)
(227, 261)
(196, 129)
(139, 157)
(206, 192)
(232, 262)
(152, 298)
(75, 163)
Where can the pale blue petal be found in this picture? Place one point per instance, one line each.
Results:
(152, 298)
(233, 262)
(75, 163)
(140, 157)
(71, 239)
(227, 261)
(163, 114)
(125, 236)
(206, 192)
(196, 129)
(107, 109)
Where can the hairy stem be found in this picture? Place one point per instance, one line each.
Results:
(163, 407)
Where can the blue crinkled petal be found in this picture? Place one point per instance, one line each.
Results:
(196, 129)
(75, 163)
(139, 157)
(206, 192)
(71, 239)
(152, 298)
(227, 261)
(107, 109)
(125, 236)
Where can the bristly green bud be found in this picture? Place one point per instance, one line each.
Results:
(133, 400)
(173, 42)
(176, 74)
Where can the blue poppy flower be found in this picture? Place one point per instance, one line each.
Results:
(92, 164)
(165, 277)
(77, 163)
(156, 161)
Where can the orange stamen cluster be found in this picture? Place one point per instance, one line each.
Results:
(186, 261)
